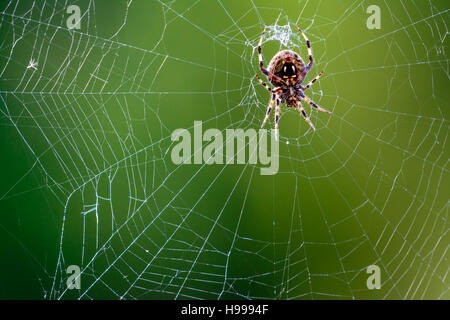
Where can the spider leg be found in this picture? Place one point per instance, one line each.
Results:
(308, 44)
(269, 74)
(312, 104)
(263, 84)
(312, 81)
(277, 118)
(304, 115)
(269, 109)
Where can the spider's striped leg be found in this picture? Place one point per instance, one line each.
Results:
(308, 44)
(269, 74)
(263, 84)
(312, 104)
(304, 115)
(269, 109)
(312, 81)
(277, 118)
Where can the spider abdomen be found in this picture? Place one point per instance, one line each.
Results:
(289, 66)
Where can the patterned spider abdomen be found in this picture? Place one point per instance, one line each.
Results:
(287, 65)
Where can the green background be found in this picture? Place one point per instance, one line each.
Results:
(86, 172)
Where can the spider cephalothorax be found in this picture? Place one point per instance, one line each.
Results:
(286, 73)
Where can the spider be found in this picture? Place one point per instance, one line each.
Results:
(286, 73)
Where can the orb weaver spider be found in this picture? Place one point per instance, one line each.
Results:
(286, 73)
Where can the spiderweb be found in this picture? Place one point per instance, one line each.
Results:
(88, 113)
